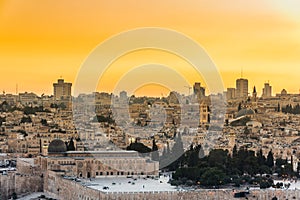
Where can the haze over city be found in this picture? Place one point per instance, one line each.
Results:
(43, 40)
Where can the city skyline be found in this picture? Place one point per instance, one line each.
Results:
(49, 39)
(162, 91)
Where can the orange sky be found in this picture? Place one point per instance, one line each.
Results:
(41, 40)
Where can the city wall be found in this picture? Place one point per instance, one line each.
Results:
(69, 190)
(19, 184)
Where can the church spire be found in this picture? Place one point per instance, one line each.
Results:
(254, 90)
(254, 94)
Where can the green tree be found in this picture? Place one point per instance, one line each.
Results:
(261, 158)
(213, 177)
(2, 119)
(177, 149)
(154, 153)
(218, 158)
(201, 153)
(239, 107)
(14, 195)
(270, 159)
(71, 146)
(234, 151)
(26, 119)
(139, 147)
(44, 122)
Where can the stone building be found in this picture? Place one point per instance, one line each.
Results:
(96, 164)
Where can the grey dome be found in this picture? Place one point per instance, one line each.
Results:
(57, 146)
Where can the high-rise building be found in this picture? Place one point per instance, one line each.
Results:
(198, 90)
(242, 88)
(230, 93)
(62, 90)
(267, 91)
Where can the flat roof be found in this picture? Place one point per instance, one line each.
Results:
(123, 184)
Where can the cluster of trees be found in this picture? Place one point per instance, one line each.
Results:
(5, 107)
(70, 145)
(101, 118)
(58, 106)
(290, 109)
(221, 168)
(32, 110)
(26, 119)
(139, 147)
(170, 157)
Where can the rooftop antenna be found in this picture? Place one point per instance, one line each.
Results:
(16, 89)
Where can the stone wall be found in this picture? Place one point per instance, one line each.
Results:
(69, 190)
(20, 184)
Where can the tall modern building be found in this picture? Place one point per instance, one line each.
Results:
(242, 88)
(267, 91)
(198, 90)
(231, 93)
(62, 90)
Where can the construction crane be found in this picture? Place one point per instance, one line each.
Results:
(189, 87)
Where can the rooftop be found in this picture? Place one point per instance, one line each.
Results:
(122, 184)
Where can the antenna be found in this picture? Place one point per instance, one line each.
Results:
(16, 89)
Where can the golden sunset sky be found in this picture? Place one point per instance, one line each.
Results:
(41, 40)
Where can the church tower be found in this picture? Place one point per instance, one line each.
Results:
(254, 94)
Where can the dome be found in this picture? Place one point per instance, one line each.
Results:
(57, 146)
(245, 112)
(283, 92)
